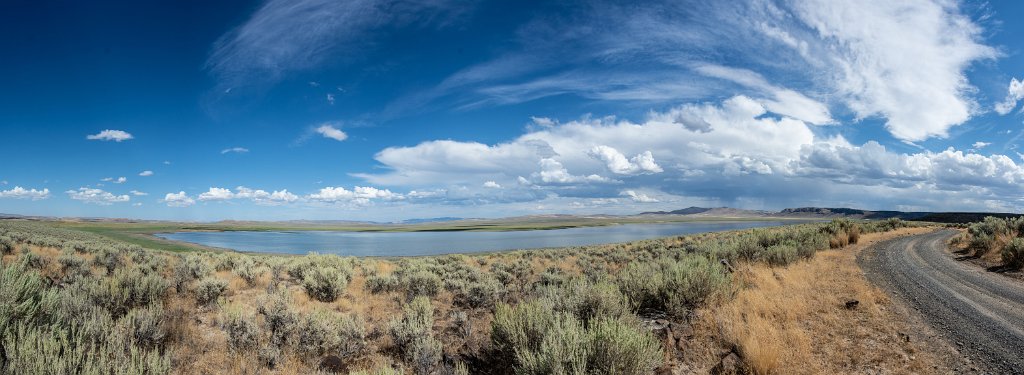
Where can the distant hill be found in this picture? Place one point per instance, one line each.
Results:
(837, 212)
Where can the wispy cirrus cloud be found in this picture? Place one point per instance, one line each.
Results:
(234, 150)
(283, 36)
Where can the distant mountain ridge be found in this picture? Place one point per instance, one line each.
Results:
(837, 212)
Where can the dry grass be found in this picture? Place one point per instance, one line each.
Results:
(793, 320)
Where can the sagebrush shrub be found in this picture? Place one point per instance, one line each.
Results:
(243, 333)
(422, 283)
(279, 317)
(209, 290)
(1013, 253)
(378, 284)
(324, 284)
(621, 347)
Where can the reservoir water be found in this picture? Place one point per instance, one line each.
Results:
(433, 243)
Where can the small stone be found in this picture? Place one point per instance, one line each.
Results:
(852, 304)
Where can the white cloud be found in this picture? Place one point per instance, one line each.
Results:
(237, 150)
(110, 135)
(19, 192)
(492, 185)
(1014, 94)
(783, 101)
(146, 173)
(735, 136)
(980, 145)
(330, 98)
(359, 195)
(179, 199)
(119, 180)
(552, 171)
(138, 193)
(329, 131)
(638, 197)
(216, 194)
(617, 163)
(915, 81)
(96, 196)
(255, 195)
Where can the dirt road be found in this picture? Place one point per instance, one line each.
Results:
(980, 313)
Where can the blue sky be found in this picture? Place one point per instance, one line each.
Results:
(388, 110)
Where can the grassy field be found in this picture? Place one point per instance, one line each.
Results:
(81, 298)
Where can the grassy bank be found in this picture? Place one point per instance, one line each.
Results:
(624, 308)
(995, 240)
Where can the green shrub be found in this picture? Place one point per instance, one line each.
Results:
(324, 332)
(279, 317)
(126, 289)
(422, 283)
(1013, 253)
(587, 300)
(248, 271)
(242, 331)
(673, 286)
(145, 326)
(413, 334)
(209, 290)
(622, 348)
(781, 255)
(108, 259)
(324, 284)
(189, 268)
(378, 284)
(480, 294)
(71, 265)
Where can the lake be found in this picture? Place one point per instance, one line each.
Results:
(433, 243)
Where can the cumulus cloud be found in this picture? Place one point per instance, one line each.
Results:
(358, 195)
(179, 199)
(216, 194)
(146, 173)
(96, 196)
(19, 192)
(492, 185)
(110, 135)
(236, 150)
(638, 197)
(329, 131)
(617, 163)
(980, 145)
(1014, 94)
(258, 196)
(737, 137)
(119, 180)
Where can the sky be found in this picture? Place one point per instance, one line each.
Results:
(387, 110)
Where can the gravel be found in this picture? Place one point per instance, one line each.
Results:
(979, 312)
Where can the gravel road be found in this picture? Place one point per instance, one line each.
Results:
(979, 312)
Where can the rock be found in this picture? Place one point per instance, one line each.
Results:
(681, 330)
(903, 336)
(730, 364)
(852, 304)
(333, 364)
